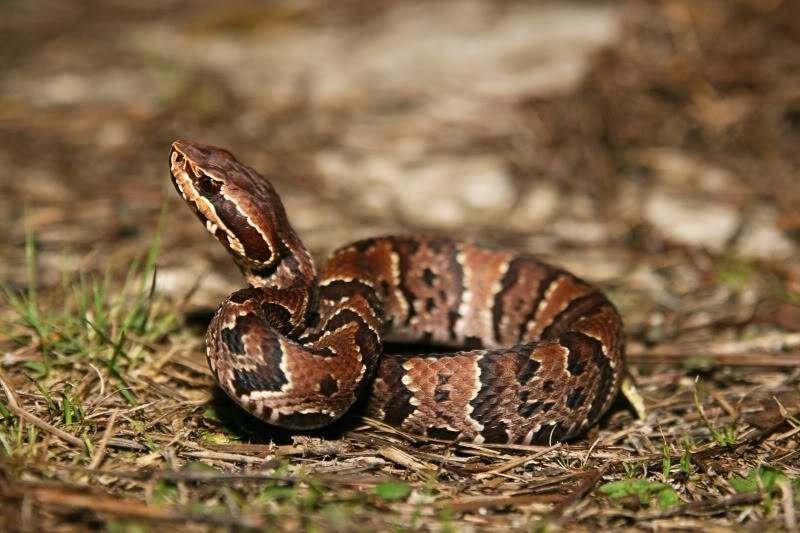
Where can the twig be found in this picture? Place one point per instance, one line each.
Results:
(485, 502)
(515, 462)
(401, 458)
(14, 407)
(99, 455)
(101, 378)
(235, 457)
(560, 510)
(126, 444)
(787, 501)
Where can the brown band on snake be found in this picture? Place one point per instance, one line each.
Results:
(543, 349)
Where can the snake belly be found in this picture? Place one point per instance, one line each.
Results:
(541, 352)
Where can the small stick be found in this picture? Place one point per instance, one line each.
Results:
(247, 459)
(787, 500)
(515, 462)
(583, 489)
(99, 455)
(14, 407)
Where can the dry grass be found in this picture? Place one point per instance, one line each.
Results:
(109, 418)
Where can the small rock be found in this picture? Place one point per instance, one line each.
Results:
(581, 231)
(179, 281)
(536, 208)
(676, 168)
(113, 134)
(448, 192)
(62, 89)
(593, 265)
(762, 238)
(692, 221)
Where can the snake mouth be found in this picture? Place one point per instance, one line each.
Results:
(201, 191)
(181, 173)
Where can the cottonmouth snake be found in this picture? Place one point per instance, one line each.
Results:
(542, 350)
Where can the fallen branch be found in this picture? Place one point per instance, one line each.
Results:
(772, 349)
(680, 356)
(66, 500)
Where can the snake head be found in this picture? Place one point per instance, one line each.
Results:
(196, 172)
(238, 206)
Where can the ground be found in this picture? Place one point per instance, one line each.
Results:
(649, 147)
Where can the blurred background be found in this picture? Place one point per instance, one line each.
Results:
(650, 146)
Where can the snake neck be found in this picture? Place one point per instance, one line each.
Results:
(292, 267)
(290, 287)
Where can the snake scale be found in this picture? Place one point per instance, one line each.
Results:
(541, 351)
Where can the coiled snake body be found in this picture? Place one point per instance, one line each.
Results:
(542, 349)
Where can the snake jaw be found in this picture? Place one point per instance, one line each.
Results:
(197, 186)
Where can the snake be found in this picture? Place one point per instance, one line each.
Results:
(521, 351)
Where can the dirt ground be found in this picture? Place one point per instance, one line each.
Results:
(650, 147)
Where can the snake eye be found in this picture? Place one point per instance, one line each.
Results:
(207, 185)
